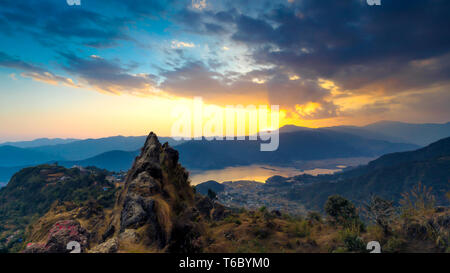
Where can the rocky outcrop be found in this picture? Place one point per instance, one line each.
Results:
(155, 195)
(110, 246)
(59, 237)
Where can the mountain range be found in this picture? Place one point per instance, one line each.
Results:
(296, 143)
(294, 146)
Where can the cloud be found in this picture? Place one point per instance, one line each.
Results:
(364, 51)
(15, 63)
(277, 51)
(262, 86)
(180, 44)
(34, 72)
(93, 72)
(109, 76)
(199, 4)
(50, 78)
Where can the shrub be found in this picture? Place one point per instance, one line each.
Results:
(314, 216)
(303, 229)
(341, 210)
(262, 233)
(394, 245)
(352, 241)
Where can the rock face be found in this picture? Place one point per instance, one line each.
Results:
(59, 236)
(155, 196)
(110, 246)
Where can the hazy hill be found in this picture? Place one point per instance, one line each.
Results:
(209, 185)
(420, 134)
(393, 131)
(11, 156)
(298, 145)
(362, 132)
(83, 149)
(39, 142)
(113, 161)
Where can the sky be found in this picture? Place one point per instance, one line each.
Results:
(111, 67)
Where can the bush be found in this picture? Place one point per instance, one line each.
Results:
(341, 210)
(352, 241)
(302, 229)
(394, 245)
(314, 216)
(262, 233)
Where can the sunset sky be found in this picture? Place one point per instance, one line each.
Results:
(120, 67)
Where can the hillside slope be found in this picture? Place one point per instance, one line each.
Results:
(388, 177)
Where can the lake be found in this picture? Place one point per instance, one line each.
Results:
(253, 172)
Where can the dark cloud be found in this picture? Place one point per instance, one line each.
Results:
(348, 41)
(398, 47)
(98, 23)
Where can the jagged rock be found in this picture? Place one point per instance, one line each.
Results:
(137, 211)
(109, 232)
(110, 246)
(129, 236)
(35, 248)
(156, 192)
(59, 236)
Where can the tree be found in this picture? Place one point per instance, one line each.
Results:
(341, 210)
(380, 211)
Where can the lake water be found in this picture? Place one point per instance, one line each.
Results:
(254, 172)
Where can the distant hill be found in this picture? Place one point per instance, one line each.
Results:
(77, 150)
(39, 142)
(301, 145)
(83, 149)
(393, 131)
(362, 132)
(11, 156)
(209, 185)
(294, 146)
(388, 176)
(420, 134)
(113, 161)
